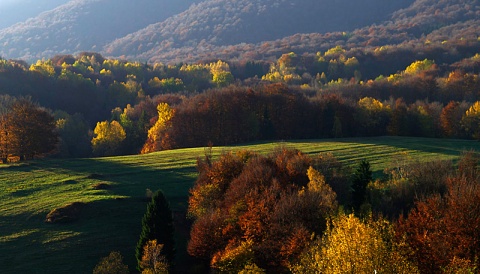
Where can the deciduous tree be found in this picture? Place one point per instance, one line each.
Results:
(153, 261)
(27, 131)
(108, 138)
(352, 246)
(113, 263)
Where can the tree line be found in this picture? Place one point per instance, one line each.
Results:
(112, 107)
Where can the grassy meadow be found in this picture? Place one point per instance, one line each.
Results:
(111, 218)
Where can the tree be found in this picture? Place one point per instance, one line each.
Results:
(471, 120)
(449, 119)
(444, 230)
(73, 131)
(153, 262)
(113, 263)
(361, 178)
(252, 209)
(351, 246)
(108, 138)
(27, 131)
(373, 117)
(221, 75)
(157, 139)
(157, 224)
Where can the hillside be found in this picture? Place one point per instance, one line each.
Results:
(222, 22)
(82, 25)
(112, 215)
(166, 31)
(16, 11)
(422, 21)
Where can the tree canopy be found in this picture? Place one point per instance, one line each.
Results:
(27, 131)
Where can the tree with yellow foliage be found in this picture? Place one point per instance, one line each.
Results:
(418, 66)
(352, 246)
(108, 138)
(283, 70)
(153, 261)
(44, 67)
(373, 116)
(471, 121)
(221, 75)
(113, 263)
(157, 133)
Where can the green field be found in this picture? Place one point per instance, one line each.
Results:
(111, 220)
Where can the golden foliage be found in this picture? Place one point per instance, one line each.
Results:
(113, 263)
(351, 246)
(370, 104)
(418, 66)
(156, 133)
(234, 258)
(474, 110)
(153, 262)
(108, 138)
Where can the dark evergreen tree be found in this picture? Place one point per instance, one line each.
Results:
(157, 224)
(361, 178)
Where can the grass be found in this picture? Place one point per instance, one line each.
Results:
(111, 220)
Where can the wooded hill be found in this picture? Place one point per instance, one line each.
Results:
(158, 31)
(20, 10)
(82, 25)
(212, 24)
(429, 90)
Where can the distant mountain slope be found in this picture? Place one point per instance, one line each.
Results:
(227, 22)
(420, 22)
(83, 25)
(176, 31)
(16, 11)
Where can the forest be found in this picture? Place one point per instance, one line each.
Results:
(105, 107)
(286, 212)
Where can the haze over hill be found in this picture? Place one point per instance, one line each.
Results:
(166, 31)
(16, 11)
(223, 22)
(83, 25)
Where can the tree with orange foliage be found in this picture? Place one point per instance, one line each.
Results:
(444, 231)
(264, 214)
(27, 131)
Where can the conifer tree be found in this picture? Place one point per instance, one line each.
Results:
(361, 178)
(157, 224)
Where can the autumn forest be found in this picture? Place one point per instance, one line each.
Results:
(246, 211)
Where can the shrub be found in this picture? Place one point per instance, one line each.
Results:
(65, 214)
(113, 263)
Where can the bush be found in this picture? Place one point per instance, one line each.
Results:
(113, 263)
(65, 214)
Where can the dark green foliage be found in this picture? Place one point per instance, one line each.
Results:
(157, 224)
(361, 178)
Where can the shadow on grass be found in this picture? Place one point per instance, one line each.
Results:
(452, 147)
(111, 223)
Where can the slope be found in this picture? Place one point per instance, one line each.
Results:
(83, 25)
(16, 11)
(322, 25)
(224, 22)
(111, 219)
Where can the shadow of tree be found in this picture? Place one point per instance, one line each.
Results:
(112, 222)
